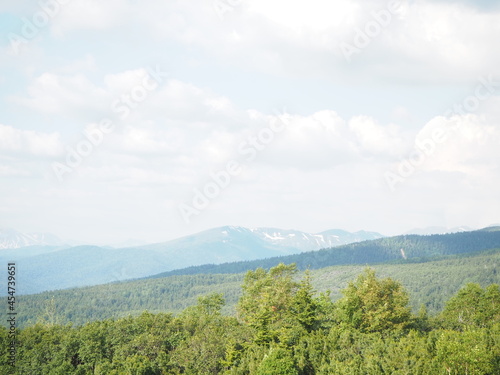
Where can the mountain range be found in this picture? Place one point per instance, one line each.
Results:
(404, 248)
(228, 249)
(433, 269)
(13, 239)
(45, 264)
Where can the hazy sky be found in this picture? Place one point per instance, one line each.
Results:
(154, 119)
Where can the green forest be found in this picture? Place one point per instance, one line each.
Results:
(281, 325)
(430, 283)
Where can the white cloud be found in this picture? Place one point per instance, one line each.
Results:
(58, 94)
(149, 141)
(90, 15)
(325, 163)
(122, 82)
(375, 139)
(29, 142)
(439, 35)
(471, 145)
(182, 119)
(317, 16)
(87, 63)
(423, 38)
(10, 171)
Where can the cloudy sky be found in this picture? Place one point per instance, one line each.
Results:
(151, 120)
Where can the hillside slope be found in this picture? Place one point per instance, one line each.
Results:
(388, 249)
(50, 268)
(430, 283)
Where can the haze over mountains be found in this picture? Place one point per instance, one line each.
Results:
(440, 230)
(46, 264)
(13, 239)
(50, 266)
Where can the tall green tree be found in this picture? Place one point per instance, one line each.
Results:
(374, 305)
(278, 362)
(473, 306)
(465, 352)
(304, 307)
(204, 349)
(267, 298)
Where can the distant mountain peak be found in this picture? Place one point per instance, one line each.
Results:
(13, 239)
(303, 241)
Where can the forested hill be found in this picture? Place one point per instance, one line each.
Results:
(429, 283)
(282, 327)
(405, 248)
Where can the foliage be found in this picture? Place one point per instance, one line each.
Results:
(278, 362)
(373, 305)
(283, 328)
(267, 299)
(429, 283)
(465, 352)
(473, 307)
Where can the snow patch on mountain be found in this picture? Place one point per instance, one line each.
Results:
(303, 241)
(12, 239)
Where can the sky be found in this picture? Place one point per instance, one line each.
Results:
(157, 119)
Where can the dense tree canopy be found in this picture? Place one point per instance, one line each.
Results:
(473, 307)
(431, 283)
(282, 327)
(373, 305)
